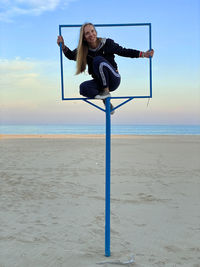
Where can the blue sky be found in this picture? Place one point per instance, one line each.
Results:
(30, 64)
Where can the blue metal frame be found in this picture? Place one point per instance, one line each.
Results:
(106, 25)
(108, 121)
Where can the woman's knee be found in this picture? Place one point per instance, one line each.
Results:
(89, 89)
(83, 89)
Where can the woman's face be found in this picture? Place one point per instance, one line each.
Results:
(90, 34)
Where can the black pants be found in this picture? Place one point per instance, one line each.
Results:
(106, 75)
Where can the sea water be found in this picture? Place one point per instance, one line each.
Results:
(100, 129)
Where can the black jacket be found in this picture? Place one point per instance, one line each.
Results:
(107, 51)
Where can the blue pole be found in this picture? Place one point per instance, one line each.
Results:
(107, 181)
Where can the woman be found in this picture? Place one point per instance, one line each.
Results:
(98, 54)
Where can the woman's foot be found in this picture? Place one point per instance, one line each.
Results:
(112, 111)
(104, 94)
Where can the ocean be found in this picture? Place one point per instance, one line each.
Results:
(100, 129)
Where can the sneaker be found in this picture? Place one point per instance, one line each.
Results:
(112, 111)
(103, 95)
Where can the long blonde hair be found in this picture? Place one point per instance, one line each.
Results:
(82, 50)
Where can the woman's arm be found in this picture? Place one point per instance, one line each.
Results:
(115, 48)
(67, 52)
(127, 52)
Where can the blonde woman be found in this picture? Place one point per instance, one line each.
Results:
(99, 55)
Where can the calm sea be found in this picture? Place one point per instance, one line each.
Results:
(100, 129)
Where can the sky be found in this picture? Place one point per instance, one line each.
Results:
(30, 90)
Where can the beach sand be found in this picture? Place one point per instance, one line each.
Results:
(52, 201)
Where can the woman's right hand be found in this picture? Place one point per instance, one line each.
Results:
(60, 40)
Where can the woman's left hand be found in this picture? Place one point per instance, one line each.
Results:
(149, 53)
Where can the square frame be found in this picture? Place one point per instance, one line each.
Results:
(107, 25)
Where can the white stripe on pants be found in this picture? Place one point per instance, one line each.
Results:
(101, 65)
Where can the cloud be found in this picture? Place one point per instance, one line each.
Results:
(15, 72)
(14, 8)
(30, 93)
(20, 75)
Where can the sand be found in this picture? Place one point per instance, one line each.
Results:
(52, 201)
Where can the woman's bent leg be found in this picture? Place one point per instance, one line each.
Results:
(107, 76)
(89, 88)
